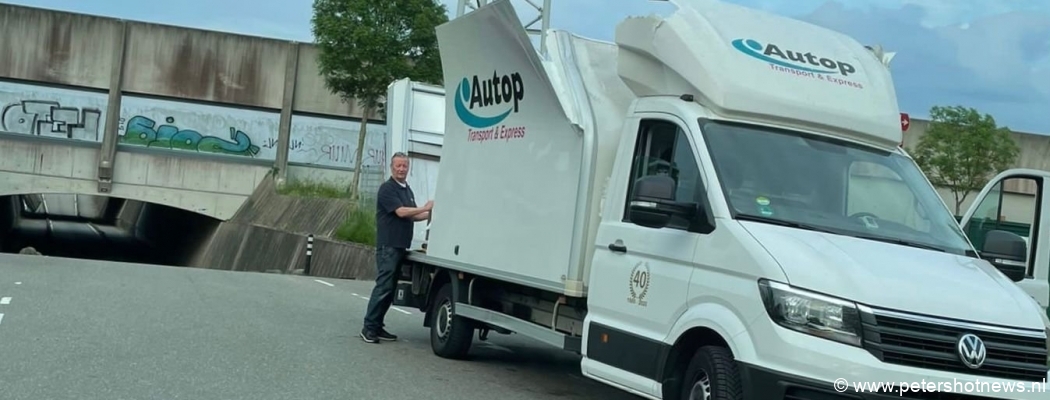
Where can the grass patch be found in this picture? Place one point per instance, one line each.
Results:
(314, 189)
(360, 224)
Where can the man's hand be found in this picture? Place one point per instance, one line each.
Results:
(429, 206)
(422, 216)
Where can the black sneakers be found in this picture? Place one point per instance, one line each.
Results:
(384, 335)
(374, 337)
(369, 336)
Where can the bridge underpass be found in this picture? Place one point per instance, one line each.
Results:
(102, 228)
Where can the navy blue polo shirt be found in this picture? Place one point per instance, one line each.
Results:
(392, 230)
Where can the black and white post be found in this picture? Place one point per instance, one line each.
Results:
(309, 253)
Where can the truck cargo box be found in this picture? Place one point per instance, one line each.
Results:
(527, 147)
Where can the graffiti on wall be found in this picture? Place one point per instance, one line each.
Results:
(333, 143)
(198, 128)
(184, 126)
(144, 131)
(51, 112)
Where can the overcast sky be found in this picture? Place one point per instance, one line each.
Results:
(993, 55)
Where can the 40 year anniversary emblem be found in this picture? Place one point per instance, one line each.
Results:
(639, 284)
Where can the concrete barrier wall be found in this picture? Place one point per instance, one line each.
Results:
(303, 215)
(245, 247)
(269, 234)
(56, 47)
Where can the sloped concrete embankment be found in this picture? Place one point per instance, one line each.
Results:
(269, 234)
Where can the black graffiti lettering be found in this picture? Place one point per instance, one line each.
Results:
(49, 118)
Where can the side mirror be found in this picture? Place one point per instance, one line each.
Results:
(1007, 252)
(653, 203)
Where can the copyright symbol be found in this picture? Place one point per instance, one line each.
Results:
(841, 385)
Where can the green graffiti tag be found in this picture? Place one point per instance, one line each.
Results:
(143, 131)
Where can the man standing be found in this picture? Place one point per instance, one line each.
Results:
(396, 211)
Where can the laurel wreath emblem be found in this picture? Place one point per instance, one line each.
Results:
(630, 282)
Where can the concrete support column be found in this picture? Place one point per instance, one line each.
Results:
(108, 155)
(284, 132)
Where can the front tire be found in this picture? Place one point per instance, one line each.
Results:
(450, 335)
(712, 375)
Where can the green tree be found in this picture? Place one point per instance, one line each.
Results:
(367, 44)
(962, 149)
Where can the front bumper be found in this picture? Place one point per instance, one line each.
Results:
(765, 384)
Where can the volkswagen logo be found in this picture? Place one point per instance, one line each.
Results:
(972, 351)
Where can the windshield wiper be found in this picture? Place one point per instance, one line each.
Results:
(790, 224)
(900, 242)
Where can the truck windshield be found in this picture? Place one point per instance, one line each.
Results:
(786, 177)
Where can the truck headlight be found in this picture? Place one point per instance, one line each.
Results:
(812, 313)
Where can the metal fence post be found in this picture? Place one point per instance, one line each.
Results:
(309, 253)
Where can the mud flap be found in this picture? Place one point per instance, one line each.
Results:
(403, 296)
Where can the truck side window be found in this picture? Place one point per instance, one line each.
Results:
(1011, 205)
(662, 148)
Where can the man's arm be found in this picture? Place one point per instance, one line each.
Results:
(412, 212)
(422, 216)
(389, 201)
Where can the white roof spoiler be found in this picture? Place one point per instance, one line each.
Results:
(882, 55)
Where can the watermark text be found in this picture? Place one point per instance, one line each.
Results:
(928, 386)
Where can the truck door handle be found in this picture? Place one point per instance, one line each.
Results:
(617, 247)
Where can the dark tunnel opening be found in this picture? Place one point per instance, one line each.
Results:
(102, 228)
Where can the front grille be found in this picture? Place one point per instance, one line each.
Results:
(923, 342)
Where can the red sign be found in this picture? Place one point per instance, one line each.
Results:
(905, 122)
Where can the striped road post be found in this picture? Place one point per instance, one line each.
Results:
(309, 252)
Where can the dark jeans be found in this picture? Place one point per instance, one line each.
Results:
(387, 261)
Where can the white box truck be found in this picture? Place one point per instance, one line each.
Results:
(714, 206)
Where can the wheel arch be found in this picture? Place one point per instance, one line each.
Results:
(442, 276)
(708, 324)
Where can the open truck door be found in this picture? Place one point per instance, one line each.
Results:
(1009, 224)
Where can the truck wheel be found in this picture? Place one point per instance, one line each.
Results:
(450, 336)
(712, 375)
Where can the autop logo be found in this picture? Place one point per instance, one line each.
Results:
(801, 61)
(481, 103)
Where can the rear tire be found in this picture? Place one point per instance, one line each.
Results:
(450, 335)
(712, 375)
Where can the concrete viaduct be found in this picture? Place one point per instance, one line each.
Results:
(187, 118)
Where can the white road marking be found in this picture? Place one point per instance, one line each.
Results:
(5, 300)
(323, 282)
(391, 307)
(18, 283)
(1, 318)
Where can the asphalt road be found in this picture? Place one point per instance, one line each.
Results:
(78, 329)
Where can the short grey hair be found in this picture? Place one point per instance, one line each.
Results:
(396, 156)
